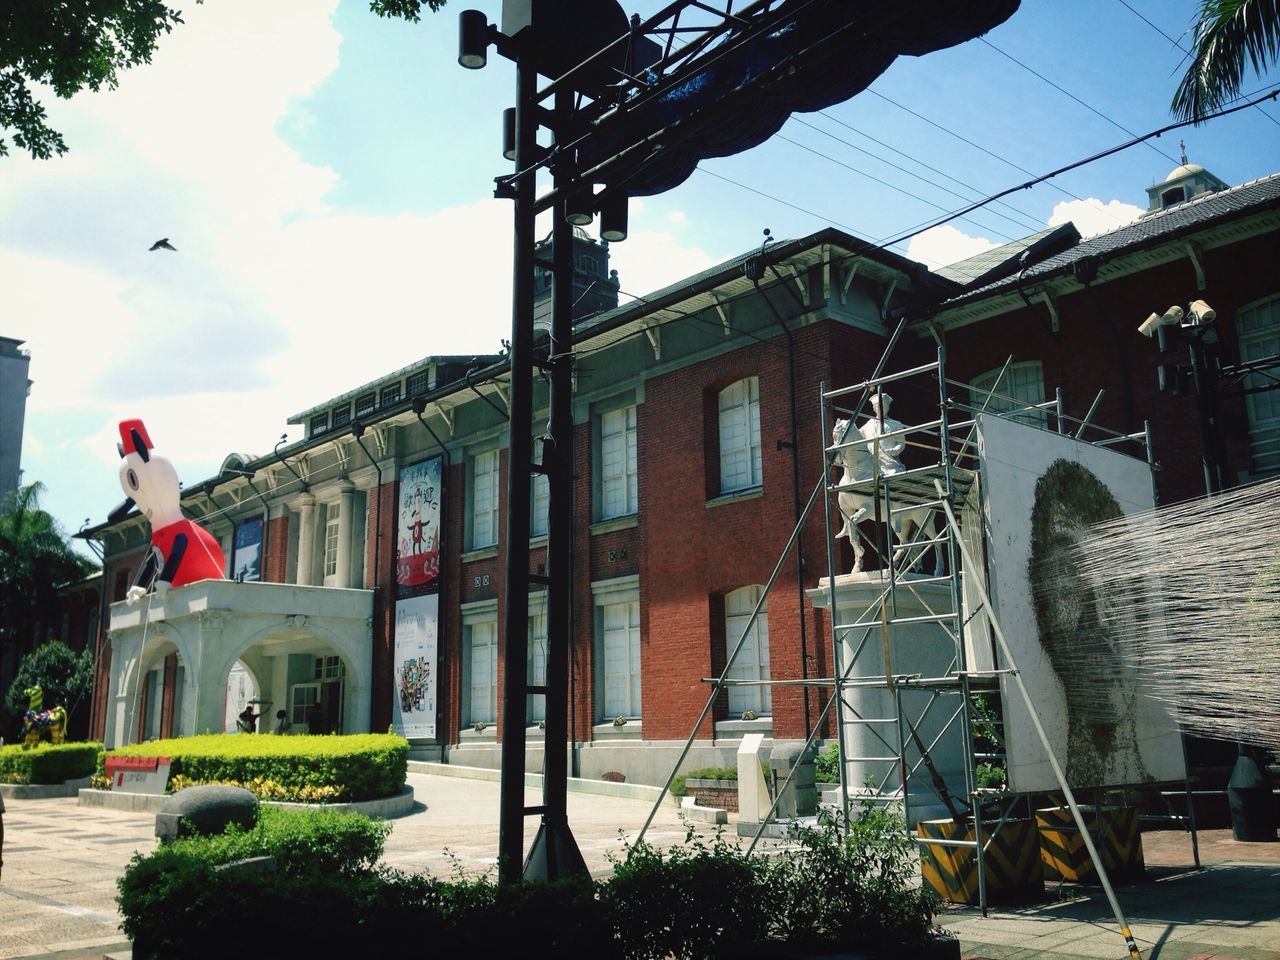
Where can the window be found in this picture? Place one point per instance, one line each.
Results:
(331, 524)
(319, 423)
(481, 638)
(419, 383)
(328, 669)
(752, 662)
(618, 486)
(484, 500)
(588, 264)
(341, 415)
(540, 509)
(620, 624)
(1259, 328)
(537, 672)
(1021, 386)
(740, 435)
(365, 403)
(389, 395)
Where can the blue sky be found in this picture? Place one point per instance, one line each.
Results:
(327, 179)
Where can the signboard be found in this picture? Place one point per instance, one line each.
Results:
(246, 552)
(418, 528)
(1041, 491)
(138, 774)
(416, 649)
(419, 542)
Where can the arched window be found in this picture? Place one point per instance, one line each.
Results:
(1021, 387)
(752, 662)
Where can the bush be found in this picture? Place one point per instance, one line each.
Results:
(308, 845)
(849, 885)
(693, 901)
(827, 764)
(49, 763)
(679, 789)
(362, 766)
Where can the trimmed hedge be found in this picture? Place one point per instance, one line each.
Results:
(849, 888)
(364, 766)
(49, 763)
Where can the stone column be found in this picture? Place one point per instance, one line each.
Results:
(346, 495)
(306, 534)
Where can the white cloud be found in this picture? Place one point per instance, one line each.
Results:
(1091, 216)
(945, 245)
(676, 216)
(276, 300)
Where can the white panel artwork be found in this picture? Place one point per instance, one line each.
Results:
(1041, 491)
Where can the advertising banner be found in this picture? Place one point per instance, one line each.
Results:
(246, 552)
(418, 528)
(417, 625)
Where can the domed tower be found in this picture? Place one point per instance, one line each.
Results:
(1185, 182)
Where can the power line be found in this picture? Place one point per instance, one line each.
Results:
(1072, 96)
(1020, 224)
(885, 183)
(917, 160)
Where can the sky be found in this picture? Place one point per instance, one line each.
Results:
(327, 179)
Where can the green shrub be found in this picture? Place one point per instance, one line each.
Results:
(49, 763)
(307, 844)
(364, 766)
(679, 788)
(850, 885)
(827, 764)
(695, 900)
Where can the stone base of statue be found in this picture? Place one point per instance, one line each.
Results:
(873, 737)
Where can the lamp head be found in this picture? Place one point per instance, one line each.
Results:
(1199, 313)
(357, 429)
(473, 39)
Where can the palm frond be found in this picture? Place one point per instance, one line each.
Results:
(1228, 36)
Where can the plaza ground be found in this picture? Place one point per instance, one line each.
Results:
(61, 861)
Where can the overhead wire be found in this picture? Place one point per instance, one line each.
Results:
(902, 153)
(1067, 93)
(1022, 224)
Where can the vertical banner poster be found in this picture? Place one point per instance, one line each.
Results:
(414, 713)
(246, 554)
(418, 528)
(418, 551)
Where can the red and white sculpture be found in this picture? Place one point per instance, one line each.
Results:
(181, 551)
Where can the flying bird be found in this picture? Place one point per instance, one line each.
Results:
(163, 244)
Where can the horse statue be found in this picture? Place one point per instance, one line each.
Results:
(37, 721)
(861, 461)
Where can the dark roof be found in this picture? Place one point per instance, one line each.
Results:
(1158, 227)
(966, 271)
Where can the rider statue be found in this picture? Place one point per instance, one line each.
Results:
(877, 425)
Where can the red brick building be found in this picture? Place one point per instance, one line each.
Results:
(698, 440)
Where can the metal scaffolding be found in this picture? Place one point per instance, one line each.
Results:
(931, 697)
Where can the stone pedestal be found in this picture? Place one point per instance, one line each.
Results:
(869, 740)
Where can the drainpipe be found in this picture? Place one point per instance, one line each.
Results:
(755, 270)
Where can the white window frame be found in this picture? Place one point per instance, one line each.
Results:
(752, 662)
(619, 476)
(332, 532)
(484, 499)
(480, 646)
(618, 678)
(536, 674)
(739, 416)
(1021, 387)
(1258, 330)
(540, 502)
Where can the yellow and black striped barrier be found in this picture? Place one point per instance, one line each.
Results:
(1067, 858)
(1011, 859)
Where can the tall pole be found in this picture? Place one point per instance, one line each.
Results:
(515, 647)
(554, 853)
